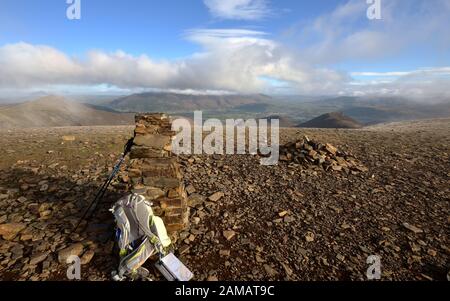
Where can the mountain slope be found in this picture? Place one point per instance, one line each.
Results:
(332, 120)
(371, 110)
(173, 103)
(54, 111)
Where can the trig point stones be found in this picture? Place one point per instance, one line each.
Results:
(154, 171)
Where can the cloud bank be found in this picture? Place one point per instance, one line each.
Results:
(231, 60)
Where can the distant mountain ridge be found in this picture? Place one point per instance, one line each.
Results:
(335, 120)
(366, 110)
(372, 110)
(173, 102)
(56, 111)
(291, 110)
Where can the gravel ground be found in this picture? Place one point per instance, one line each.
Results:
(282, 222)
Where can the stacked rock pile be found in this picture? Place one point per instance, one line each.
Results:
(309, 153)
(154, 171)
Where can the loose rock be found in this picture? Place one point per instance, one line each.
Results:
(75, 249)
(229, 234)
(9, 231)
(412, 228)
(216, 196)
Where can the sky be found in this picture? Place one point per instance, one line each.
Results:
(314, 47)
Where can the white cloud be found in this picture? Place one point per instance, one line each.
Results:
(345, 34)
(239, 9)
(437, 71)
(26, 65)
(40, 64)
(231, 60)
(199, 34)
(420, 83)
(391, 73)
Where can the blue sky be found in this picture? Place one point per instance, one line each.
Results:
(136, 26)
(244, 46)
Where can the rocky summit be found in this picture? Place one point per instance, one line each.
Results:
(336, 198)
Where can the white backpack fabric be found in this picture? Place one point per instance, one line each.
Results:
(136, 225)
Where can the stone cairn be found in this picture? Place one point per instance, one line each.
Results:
(309, 153)
(155, 172)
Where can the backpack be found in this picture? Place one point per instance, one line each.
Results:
(139, 233)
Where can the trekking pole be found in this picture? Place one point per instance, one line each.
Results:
(101, 192)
